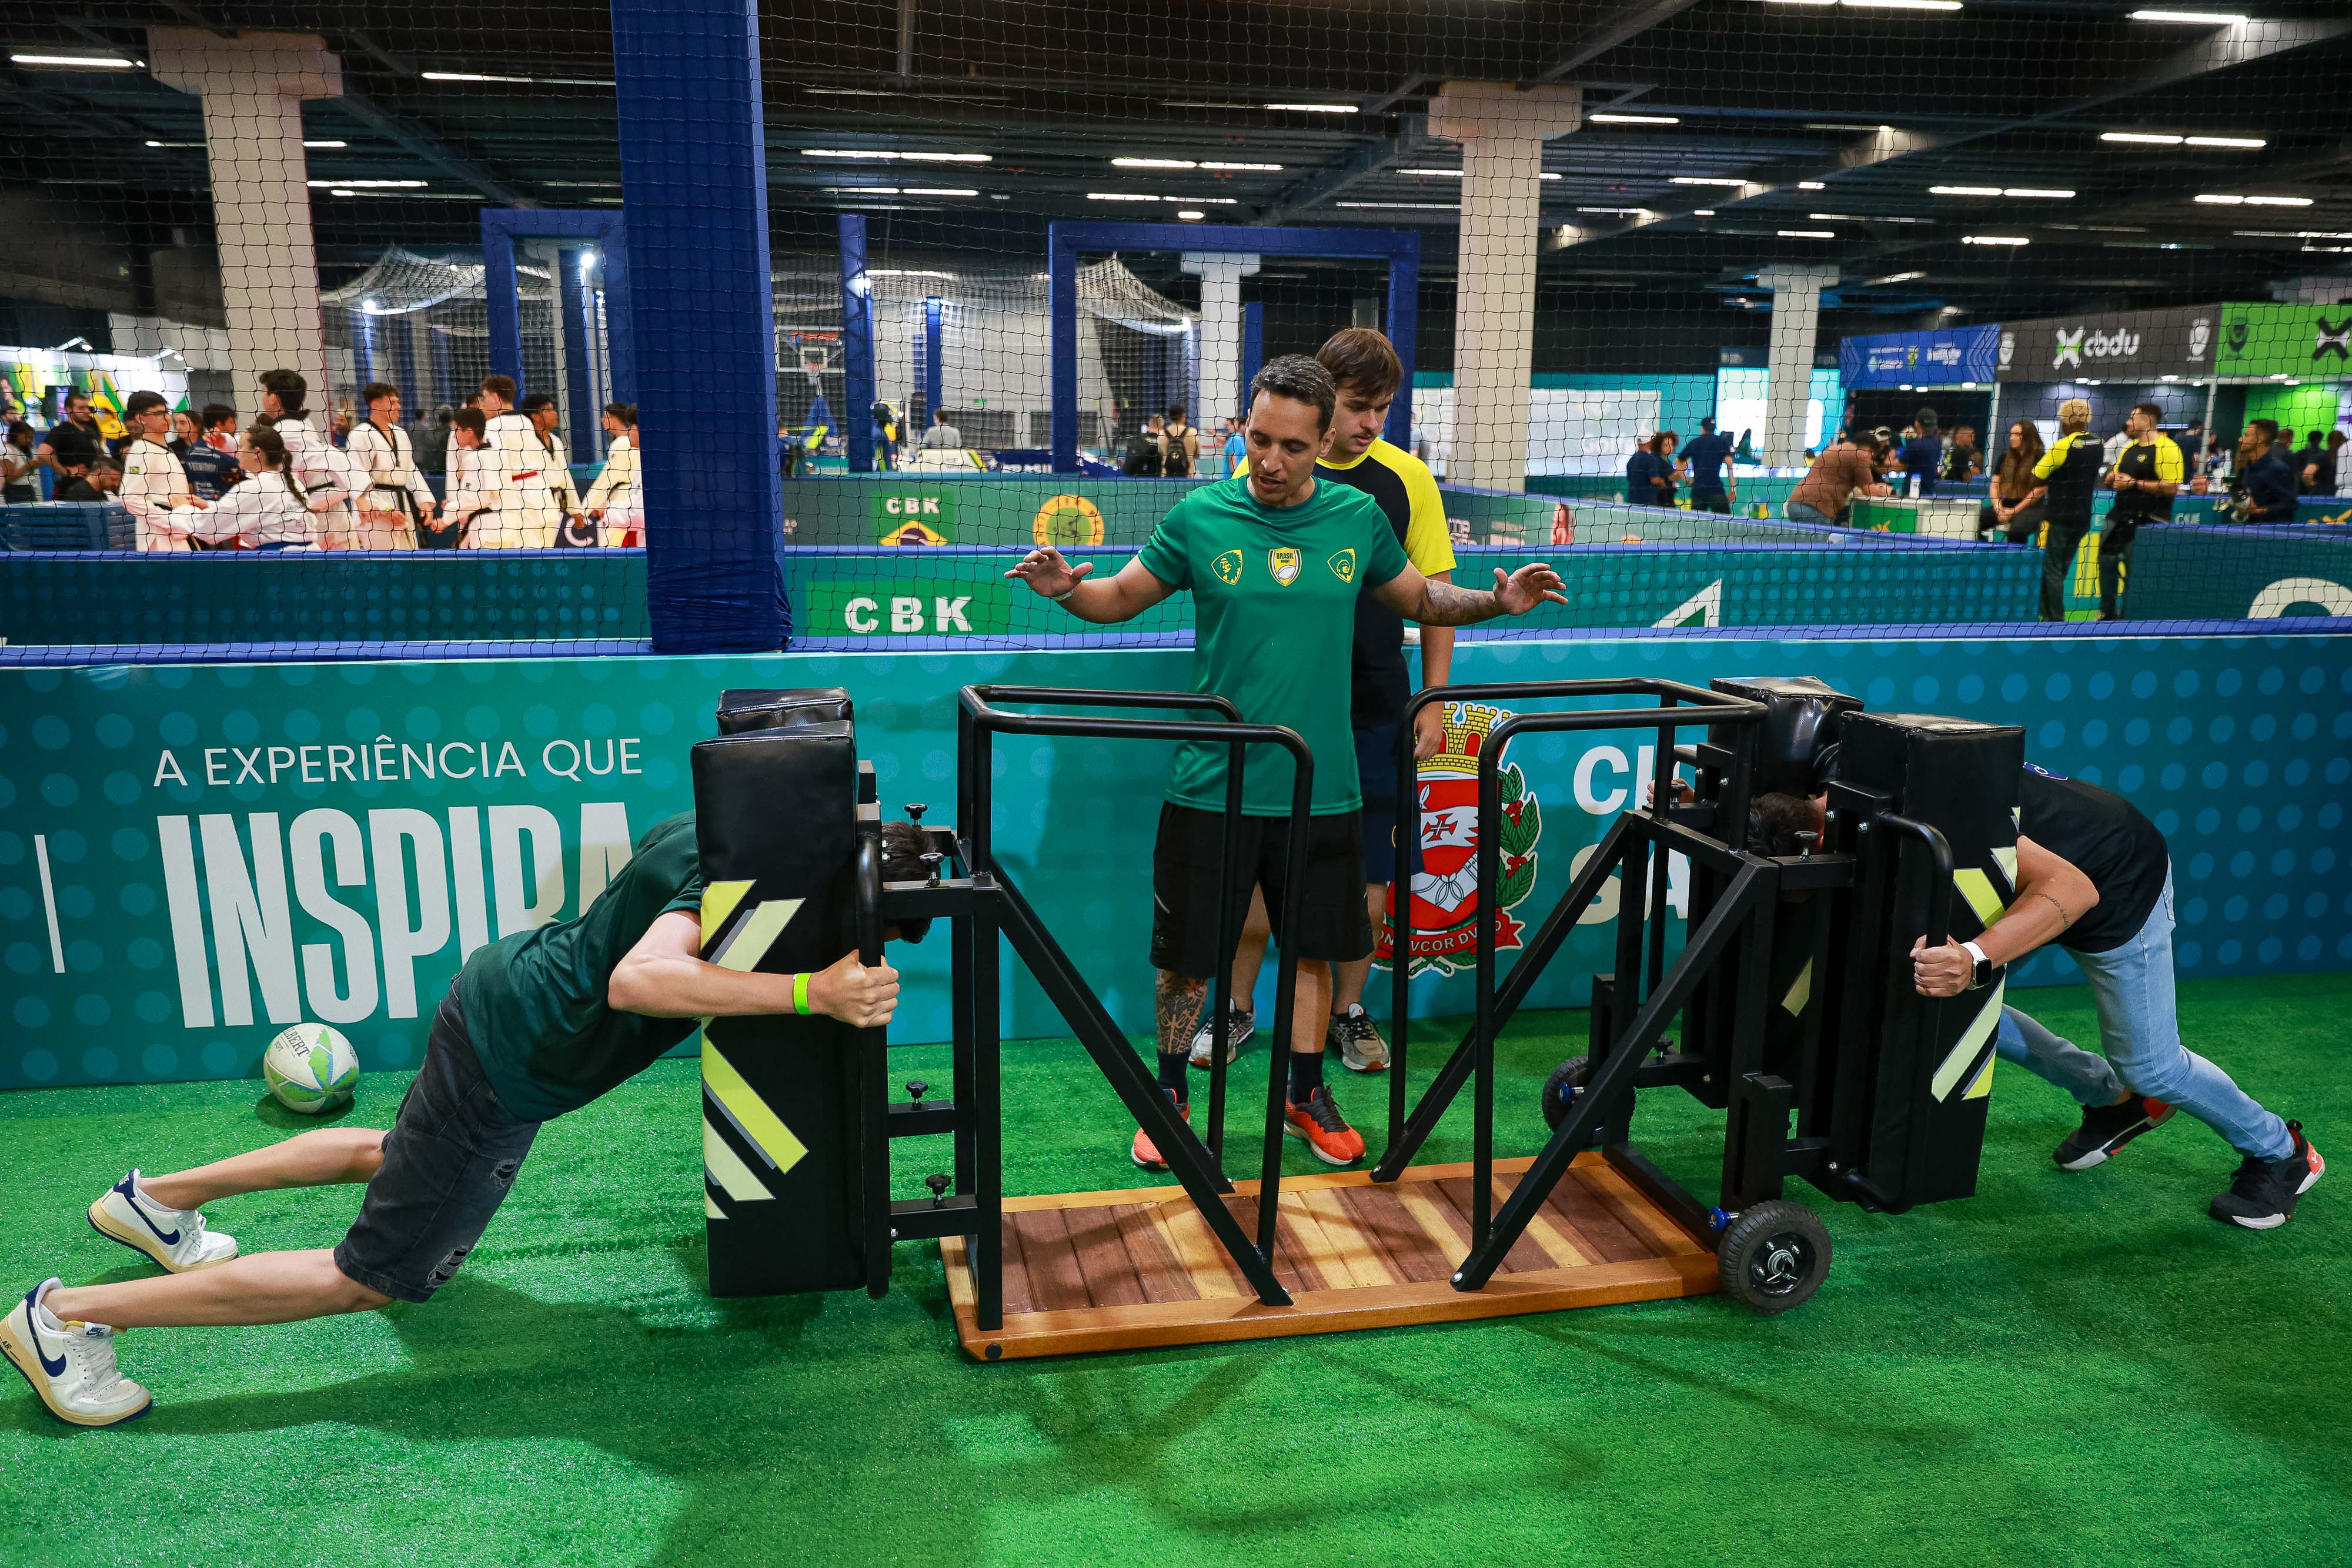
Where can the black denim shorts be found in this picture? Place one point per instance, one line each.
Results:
(448, 1163)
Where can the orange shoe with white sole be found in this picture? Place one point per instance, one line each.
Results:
(1144, 1153)
(1326, 1131)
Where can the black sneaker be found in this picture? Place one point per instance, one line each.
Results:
(2263, 1192)
(2107, 1128)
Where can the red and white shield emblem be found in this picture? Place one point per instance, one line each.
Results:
(1445, 903)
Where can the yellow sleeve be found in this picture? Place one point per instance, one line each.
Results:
(1428, 543)
(2167, 461)
(1241, 469)
(2051, 458)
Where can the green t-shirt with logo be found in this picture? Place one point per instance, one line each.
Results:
(535, 1004)
(1273, 593)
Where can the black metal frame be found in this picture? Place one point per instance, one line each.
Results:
(982, 904)
(1717, 982)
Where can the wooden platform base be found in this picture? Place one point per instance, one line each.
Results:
(1117, 1270)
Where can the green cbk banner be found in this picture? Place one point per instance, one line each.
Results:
(194, 856)
(2264, 339)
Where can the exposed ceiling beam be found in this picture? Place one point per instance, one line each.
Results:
(428, 145)
(2224, 48)
(398, 65)
(1378, 158)
(1622, 29)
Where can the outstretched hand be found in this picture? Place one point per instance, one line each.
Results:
(1046, 573)
(1523, 589)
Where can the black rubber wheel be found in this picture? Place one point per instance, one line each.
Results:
(1774, 1255)
(1558, 1090)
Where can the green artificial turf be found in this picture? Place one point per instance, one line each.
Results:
(2065, 1370)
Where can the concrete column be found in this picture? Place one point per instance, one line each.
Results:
(1796, 316)
(2313, 289)
(253, 87)
(1221, 386)
(1502, 131)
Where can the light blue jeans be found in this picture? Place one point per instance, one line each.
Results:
(2140, 1034)
(1804, 512)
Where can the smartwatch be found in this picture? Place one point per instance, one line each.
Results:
(1983, 976)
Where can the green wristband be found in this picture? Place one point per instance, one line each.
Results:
(800, 994)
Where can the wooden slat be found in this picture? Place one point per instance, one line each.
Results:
(1018, 1296)
(1103, 1262)
(1526, 1255)
(1363, 1261)
(1325, 1312)
(1156, 1268)
(1384, 1222)
(1554, 1242)
(1055, 1282)
(1436, 1218)
(1285, 1259)
(1205, 1263)
(1638, 1212)
(1318, 1261)
(1595, 1221)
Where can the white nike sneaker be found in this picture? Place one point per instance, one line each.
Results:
(70, 1365)
(175, 1238)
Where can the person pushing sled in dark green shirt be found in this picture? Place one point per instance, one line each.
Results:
(536, 1024)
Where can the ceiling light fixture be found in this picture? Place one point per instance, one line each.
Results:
(1994, 239)
(938, 191)
(1807, 234)
(1632, 119)
(874, 155)
(1733, 181)
(1153, 163)
(367, 184)
(1192, 214)
(1403, 206)
(472, 76)
(1241, 168)
(1616, 212)
(1702, 212)
(2141, 138)
(910, 272)
(2026, 192)
(1810, 185)
(2230, 142)
(85, 62)
(1315, 107)
(1895, 277)
(2191, 18)
(2230, 201)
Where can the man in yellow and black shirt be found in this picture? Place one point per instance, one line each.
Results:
(1364, 366)
(2069, 473)
(2147, 477)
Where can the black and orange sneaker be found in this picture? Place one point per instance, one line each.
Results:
(1146, 1154)
(2107, 1128)
(1326, 1131)
(2263, 1192)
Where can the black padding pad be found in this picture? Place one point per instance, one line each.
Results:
(742, 712)
(776, 807)
(1801, 715)
(1960, 776)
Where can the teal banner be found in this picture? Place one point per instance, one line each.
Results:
(194, 856)
(2184, 571)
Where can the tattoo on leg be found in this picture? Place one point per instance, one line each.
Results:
(1177, 1001)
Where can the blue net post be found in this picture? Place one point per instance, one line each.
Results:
(934, 376)
(856, 346)
(580, 411)
(693, 164)
(404, 369)
(1062, 312)
(1254, 347)
(1404, 326)
(364, 352)
(501, 304)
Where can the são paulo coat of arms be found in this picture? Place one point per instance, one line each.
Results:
(1445, 903)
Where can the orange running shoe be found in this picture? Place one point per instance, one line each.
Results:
(1326, 1131)
(1144, 1153)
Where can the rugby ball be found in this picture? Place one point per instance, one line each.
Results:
(311, 1069)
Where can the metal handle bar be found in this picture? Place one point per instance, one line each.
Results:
(1939, 895)
(981, 700)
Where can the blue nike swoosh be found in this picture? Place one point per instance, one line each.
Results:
(131, 1204)
(33, 1330)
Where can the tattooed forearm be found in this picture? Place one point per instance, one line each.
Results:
(1177, 1001)
(1443, 604)
(2064, 919)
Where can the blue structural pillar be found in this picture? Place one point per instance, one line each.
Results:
(1253, 346)
(1062, 344)
(856, 346)
(1404, 331)
(404, 367)
(934, 366)
(693, 164)
(444, 374)
(580, 410)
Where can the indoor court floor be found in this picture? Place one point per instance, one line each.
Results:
(2067, 1369)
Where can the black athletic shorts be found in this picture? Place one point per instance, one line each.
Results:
(1187, 862)
(448, 1163)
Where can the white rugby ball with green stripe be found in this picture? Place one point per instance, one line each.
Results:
(311, 1069)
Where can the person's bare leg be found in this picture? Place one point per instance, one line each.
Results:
(319, 1158)
(266, 1288)
(1249, 957)
(1349, 979)
(1311, 1008)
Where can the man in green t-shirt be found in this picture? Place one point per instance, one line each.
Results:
(536, 1024)
(1275, 560)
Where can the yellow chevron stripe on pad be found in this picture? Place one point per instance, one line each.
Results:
(1801, 991)
(1963, 1055)
(1983, 1086)
(1977, 888)
(774, 1141)
(727, 1170)
(758, 933)
(718, 902)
